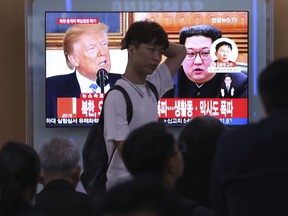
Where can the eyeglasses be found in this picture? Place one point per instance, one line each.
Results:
(204, 54)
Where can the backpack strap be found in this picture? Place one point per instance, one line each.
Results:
(129, 110)
(129, 107)
(153, 89)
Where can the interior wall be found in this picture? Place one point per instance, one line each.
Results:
(280, 28)
(12, 60)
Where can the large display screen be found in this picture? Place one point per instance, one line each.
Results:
(221, 66)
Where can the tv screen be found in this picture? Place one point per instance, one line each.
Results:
(224, 95)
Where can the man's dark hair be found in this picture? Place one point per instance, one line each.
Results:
(223, 43)
(139, 195)
(199, 137)
(147, 149)
(227, 75)
(199, 30)
(273, 82)
(19, 172)
(145, 32)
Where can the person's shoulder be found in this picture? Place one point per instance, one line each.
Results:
(239, 75)
(114, 75)
(163, 66)
(238, 134)
(161, 71)
(113, 78)
(29, 211)
(234, 130)
(61, 78)
(88, 197)
(200, 210)
(114, 94)
(194, 208)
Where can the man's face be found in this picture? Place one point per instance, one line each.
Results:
(92, 53)
(223, 54)
(197, 69)
(227, 81)
(146, 57)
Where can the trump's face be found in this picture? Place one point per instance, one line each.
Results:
(198, 59)
(91, 53)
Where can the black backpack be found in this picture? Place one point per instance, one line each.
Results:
(94, 152)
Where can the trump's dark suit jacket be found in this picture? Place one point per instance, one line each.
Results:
(65, 86)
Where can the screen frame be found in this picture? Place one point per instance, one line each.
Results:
(55, 36)
(261, 53)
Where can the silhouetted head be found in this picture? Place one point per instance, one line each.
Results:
(273, 85)
(200, 137)
(60, 160)
(152, 149)
(19, 173)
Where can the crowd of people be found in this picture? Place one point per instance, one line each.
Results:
(208, 170)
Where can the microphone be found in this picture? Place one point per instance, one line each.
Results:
(102, 79)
